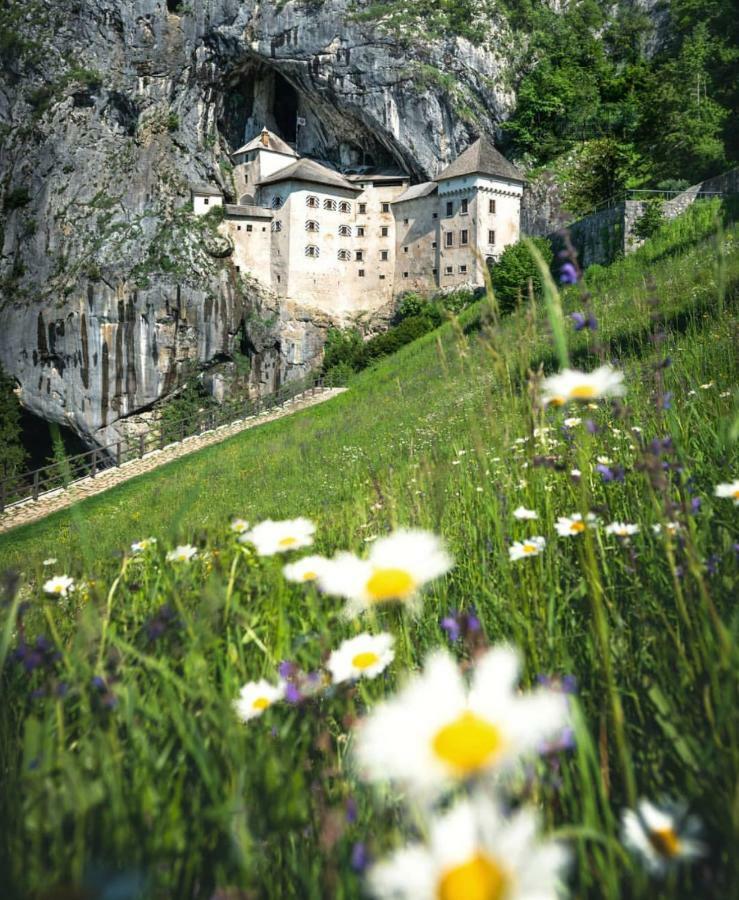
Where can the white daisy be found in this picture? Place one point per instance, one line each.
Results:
(569, 526)
(437, 731)
(270, 537)
(59, 586)
(622, 529)
(522, 514)
(532, 546)
(182, 553)
(256, 696)
(396, 569)
(661, 836)
(576, 473)
(474, 853)
(364, 656)
(604, 460)
(144, 545)
(728, 490)
(571, 384)
(239, 526)
(572, 422)
(52, 561)
(308, 568)
(670, 527)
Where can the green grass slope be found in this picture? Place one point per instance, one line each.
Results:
(121, 754)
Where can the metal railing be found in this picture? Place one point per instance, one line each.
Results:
(59, 475)
(644, 194)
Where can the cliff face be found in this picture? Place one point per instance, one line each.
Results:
(111, 291)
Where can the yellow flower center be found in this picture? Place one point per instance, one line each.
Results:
(556, 401)
(288, 541)
(665, 841)
(260, 703)
(480, 878)
(58, 588)
(468, 743)
(530, 548)
(365, 660)
(390, 584)
(583, 392)
(577, 527)
(735, 495)
(310, 576)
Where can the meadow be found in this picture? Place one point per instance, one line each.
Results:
(125, 766)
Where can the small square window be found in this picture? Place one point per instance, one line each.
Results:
(383, 255)
(361, 273)
(491, 237)
(463, 236)
(405, 249)
(238, 227)
(362, 209)
(449, 238)
(435, 271)
(449, 270)
(465, 207)
(249, 228)
(450, 208)
(384, 231)
(386, 207)
(263, 228)
(206, 201)
(238, 268)
(382, 277)
(434, 215)
(405, 221)
(360, 255)
(433, 245)
(405, 274)
(360, 230)
(463, 270)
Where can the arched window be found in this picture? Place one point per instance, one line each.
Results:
(345, 230)
(312, 225)
(312, 250)
(329, 204)
(345, 207)
(312, 201)
(277, 225)
(344, 255)
(276, 202)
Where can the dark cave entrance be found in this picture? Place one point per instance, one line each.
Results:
(285, 108)
(38, 442)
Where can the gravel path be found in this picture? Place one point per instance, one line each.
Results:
(30, 510)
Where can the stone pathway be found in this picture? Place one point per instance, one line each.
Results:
(30, 510)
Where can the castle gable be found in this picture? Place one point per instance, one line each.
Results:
(481, 159)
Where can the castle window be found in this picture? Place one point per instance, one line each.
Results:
(405, 274)
(491, 206)
(465, 207)
(435, 271)
(238, 227)
(344, 255)
(313, 251)
(312, 225)
(433, 245)
(491, 236)
(405, 221)
(362, 209)
(345, 230)
(238, 268)
(250, 228)
(383, 255)
(277, 225)
(312, 201)
(360, 256)
(463, 270)
(386, 207)
(434, 215)
(449, 239)
(464, 236)
(450, 208)
(329, 204)
(448, 270)
(345, 207)
(360, 230)
(384, 231)
(405, 249)
(361, 273)
(276, 202)
(206, 201)
(382, 277)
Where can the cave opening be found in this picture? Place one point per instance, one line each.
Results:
(285, 108)
(174, 6)
(37, 438)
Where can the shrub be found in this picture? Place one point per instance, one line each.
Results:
(650, 220)
(17, 198)
(513, 271)
(343, 346)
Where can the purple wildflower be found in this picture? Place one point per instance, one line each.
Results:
(452, 627)
(568, 274)
(351, 809)
(695, 505)
(287, 669)
(292, 693)
(359, 857)
(581, 321)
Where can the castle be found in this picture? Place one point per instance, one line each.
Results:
(345, 242)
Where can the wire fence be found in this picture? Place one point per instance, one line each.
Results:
(16, 488)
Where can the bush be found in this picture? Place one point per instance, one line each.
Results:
(17, 198)
(344, 346)
(408, 330)
(513, 271)
(12, 452)
(650, 220)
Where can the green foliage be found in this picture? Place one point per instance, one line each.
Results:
(16, 198)
(173, 121)
(191, 402)
(12, 453)
(343, 347)
(650, 220)
(130, 726)
(515, 269)
(599, 171)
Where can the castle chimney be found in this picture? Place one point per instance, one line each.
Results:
(265, 137)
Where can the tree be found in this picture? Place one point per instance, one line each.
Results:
(514, 270)
(600, 171)
(12, 452)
